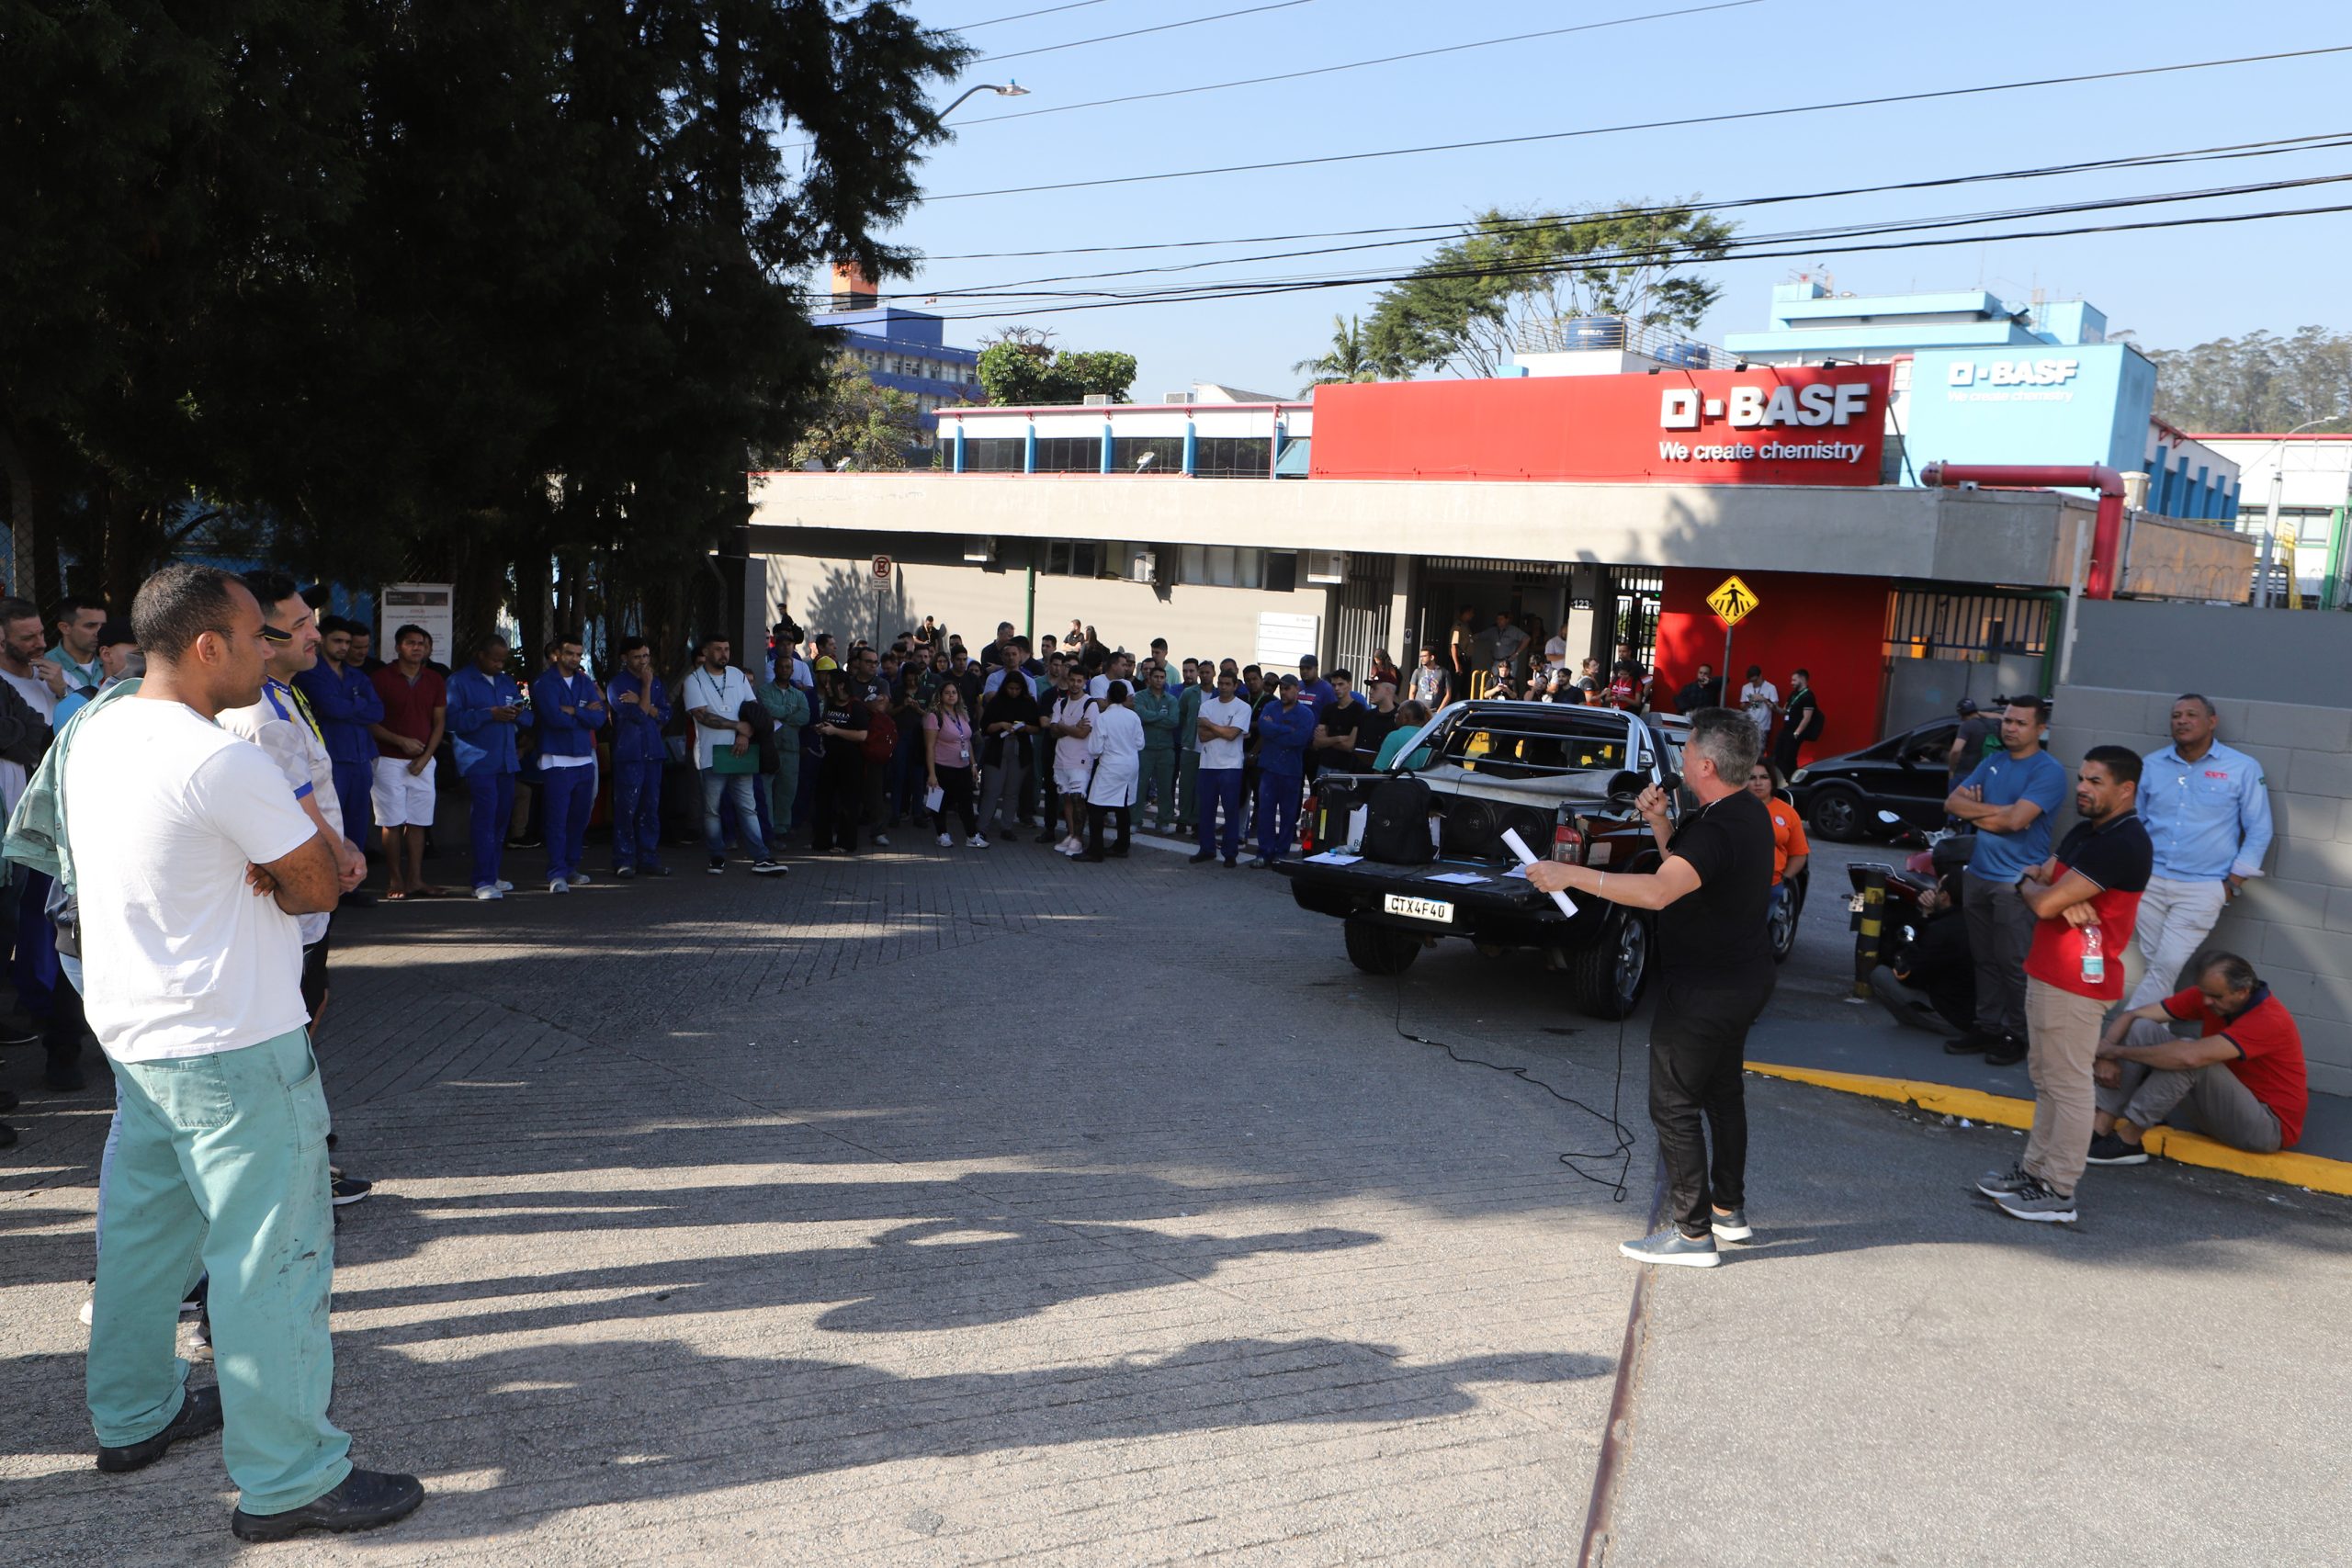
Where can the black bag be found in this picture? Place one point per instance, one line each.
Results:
(1396, 823)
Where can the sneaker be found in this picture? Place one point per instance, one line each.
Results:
(1261, 864)
(883, 840)
(2109, 1150)
(653, 869)
(1670, 1245)
(1231, 864)
(1975, 1042)
(624, 873)
(718, 865)
(348, 1189)
(946, 840)
(558, 884)
(580, 879)
(365, 1499)
(199, 1414)
(1999, 1184)
(1054, 836)
(486, 893)
(977, 841)
(1733, 1227)
(2038, 1202)
(504, 886)
(2006, 1051)
(766, 867)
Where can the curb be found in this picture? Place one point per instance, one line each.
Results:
(2333, 1176)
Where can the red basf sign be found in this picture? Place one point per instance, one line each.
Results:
(1768, 424)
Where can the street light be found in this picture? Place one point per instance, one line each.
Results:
(1010, 90)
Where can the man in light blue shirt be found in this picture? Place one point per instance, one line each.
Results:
(2209, 816)
(2010, 799)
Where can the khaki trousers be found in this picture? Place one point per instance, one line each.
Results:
(2063, 1031)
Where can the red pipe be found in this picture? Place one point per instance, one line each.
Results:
(2106, 530)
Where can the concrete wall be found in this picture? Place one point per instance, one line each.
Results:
(2295, 923)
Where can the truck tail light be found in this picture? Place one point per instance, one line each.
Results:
(1306, 822)
(1567, 844)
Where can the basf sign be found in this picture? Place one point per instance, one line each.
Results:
(1770, 424)
(2030, 403)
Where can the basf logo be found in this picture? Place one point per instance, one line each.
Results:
(2011, 380)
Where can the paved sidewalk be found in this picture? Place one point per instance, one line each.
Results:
(931, 1208)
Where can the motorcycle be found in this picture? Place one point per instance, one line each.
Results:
(1936, 854)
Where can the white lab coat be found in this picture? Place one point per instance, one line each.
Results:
(1116, 745)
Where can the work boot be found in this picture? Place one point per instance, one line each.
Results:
(366, 1499)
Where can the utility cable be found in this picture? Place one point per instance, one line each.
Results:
(1138, 32)
(1018, 16)
(1725, 119)
(1355, 64)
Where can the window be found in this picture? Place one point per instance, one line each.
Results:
(1070, 454)
(1232, 457)
(1073, 557)
(1221, 566)
(1166, 452)
(993, 455)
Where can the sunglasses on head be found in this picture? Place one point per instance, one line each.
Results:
(271, 633)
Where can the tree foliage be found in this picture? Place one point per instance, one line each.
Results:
(2257, 382)
(1349, 358)
(430, 290)
(1021, 365)
(859, 423)
(1510, 279)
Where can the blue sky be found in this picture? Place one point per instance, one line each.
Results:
(2172, 287)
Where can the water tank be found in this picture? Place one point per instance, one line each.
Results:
(1681, 355)
(1592, 332)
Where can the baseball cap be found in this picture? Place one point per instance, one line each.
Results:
(1287, 681)
(115, 634)
(1968, 704)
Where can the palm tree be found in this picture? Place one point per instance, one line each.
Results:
(1350, 358)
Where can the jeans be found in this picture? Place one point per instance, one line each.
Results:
(491, 798)
(570, 795)
(737, 789)
(1159, 782)
(222, 1169)
(1697, 1042)
(636, 813)
(840, 799)
(2061, 1054)
(1003, 785)
(1220, 790)
(1278, 797)
(2175, 919)
(35, 967)
(2000, 930)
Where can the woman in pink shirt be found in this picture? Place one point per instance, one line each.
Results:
(950, 765)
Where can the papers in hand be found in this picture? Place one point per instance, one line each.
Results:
(1527, 858)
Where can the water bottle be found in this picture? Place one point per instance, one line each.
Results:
(2094, 955)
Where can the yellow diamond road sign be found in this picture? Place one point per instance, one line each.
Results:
(1732, 602)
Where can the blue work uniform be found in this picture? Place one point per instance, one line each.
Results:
(568, 790)
(639, 753)
(1283, 737)
(346, 703)
(484, 747)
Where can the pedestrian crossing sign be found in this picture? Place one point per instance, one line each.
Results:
(1732, 602)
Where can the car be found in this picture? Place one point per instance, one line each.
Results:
(1563, 777)
(1908, 774)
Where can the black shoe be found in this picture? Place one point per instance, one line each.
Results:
(66, 1078)
(1050, 836)
(2109, 1150)
(199, 1414)
(525, 843)
(1119, 854)
(345, 1189)
(624, 873)
(16, 1030)
(1203, 857)
(357, 899)
(7, 1099)
(764, 867)
(1230, 863)
(1091, 855)
(365, 1499)
(7, 1136)
(2006, 1051)
(1970, 1043)
(1260, 863)
(717, 866)
(653, 871)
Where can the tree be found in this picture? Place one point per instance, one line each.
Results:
(1349, 358)
(1513, 279)
(2257, 382)
(1020, 365)
(859, 423)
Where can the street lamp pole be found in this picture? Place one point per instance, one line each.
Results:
(2270, 518)
(1009, 90)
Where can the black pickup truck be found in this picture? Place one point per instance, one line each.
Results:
(1565, 778)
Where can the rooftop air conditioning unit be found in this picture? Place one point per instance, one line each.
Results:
(1145, 566)
(1326, 566)
(1097, 400)
(1184, 397)
(979, 550)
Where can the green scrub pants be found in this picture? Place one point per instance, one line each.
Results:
(784, 787)
(223, 1167)
(1159, 782)
(1188, 788)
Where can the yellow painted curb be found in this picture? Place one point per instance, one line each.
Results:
(2005, 1110)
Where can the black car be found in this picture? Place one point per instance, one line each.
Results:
(1908, 774)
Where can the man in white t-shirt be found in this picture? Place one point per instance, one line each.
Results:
(282, 726)
(193, 864)
(714, 694)
(1222, 729)
(1070, 721)
(1760, 699)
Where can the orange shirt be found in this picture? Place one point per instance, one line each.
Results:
(1788, 836)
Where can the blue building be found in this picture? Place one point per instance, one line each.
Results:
(1978, 379)
(905, 350)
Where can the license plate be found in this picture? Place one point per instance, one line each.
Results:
(1436, 910)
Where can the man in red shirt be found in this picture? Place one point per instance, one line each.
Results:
(2242, 1076)
(2085, 899)
(416, 710)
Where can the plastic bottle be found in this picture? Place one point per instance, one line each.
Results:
(2094, 955)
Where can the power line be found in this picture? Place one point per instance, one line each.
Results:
(1020, 16)
(1138, 32)
(1647, 125)
(1540, 221)
(1807, 251)
(1359, 65)
(2315, 142)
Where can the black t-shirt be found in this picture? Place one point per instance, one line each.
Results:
(1376, 728)
(1009, 704)
(1336, 721)
(2117, 853)
(1803, 705)
(1715, 935)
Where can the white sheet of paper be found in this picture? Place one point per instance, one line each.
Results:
(1459, 878)
(1527, 858)
(1333, 857)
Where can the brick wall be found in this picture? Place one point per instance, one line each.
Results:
(2295, 923)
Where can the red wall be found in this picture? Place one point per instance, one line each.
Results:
(1833, 626)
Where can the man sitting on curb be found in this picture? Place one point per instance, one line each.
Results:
(2243, 1077)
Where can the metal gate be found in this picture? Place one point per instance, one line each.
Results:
(1359, 623)
(1941, 647)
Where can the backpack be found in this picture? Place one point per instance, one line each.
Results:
(881, 736)
(1396, 823)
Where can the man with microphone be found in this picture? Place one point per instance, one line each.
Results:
(1716, 973)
